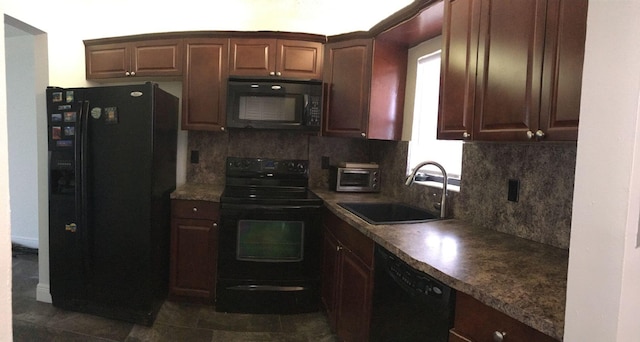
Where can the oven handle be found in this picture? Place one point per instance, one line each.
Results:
(267, 207)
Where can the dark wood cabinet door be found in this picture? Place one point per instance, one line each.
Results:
(299, 59)
(148, 58)
(107, 60)
(354, 302)
(475, 321)
(330, 264)
(562, 74)
(347, 84)
(458, 71)
(252, 57)
(194, 241)
(510, 53)
(204, 86)
(160, 58)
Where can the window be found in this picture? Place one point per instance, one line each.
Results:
(423, 143)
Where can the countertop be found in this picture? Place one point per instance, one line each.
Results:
(521, 278)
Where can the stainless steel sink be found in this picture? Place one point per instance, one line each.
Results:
(388, 212)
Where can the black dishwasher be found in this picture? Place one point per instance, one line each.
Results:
(408, 305)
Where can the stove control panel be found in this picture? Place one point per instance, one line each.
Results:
(264, 166)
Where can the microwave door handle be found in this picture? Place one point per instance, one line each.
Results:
(357, 171)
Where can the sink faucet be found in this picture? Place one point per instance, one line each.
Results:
(443, 200)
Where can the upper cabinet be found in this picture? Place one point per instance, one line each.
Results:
(364, 81)
(204, 85)
(525, 81)
(106, 59)
(276, 57)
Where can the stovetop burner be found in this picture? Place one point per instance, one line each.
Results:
(267, 181)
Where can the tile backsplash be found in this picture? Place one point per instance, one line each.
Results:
(545, 172)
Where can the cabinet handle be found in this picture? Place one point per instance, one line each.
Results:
(530, 135)
(540, 134)
(466, 135)
(498, 336)
(195, 209)
(127, 73)
(363, 134)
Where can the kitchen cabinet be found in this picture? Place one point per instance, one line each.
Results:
(476, 322)
(204, 86)
(364, 82)
(525, 82)
(347, 279)
(276, 57)
(194, 240)
(106, 59)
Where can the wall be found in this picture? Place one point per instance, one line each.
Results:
(5, 217)
(213, 148)
(22, 123)
(603, 302)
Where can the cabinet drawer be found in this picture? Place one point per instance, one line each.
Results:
(203, 210)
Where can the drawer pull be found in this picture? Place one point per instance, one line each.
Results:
(195, 209)
(499, 336)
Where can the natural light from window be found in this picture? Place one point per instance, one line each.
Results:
(424, 145)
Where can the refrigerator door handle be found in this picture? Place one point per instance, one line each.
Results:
(81, 160)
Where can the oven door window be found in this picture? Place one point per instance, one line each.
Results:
(270, 241)
(355, 178)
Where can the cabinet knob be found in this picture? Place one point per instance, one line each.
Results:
(530, 135)
(127, 73)
(338, 248)
(363, 134)
(272, 73)
(222, 128)
(466, 135)
(133, 73)
(195, 209)
(498, 336)
(215, 224)
(540, 134)
(279, 73)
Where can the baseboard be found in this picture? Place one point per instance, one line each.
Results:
(25, 241)
(43, 293)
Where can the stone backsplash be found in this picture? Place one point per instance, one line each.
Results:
(545, 172)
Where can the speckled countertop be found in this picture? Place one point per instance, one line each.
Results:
(524, 279)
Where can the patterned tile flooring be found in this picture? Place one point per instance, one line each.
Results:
(37, 321)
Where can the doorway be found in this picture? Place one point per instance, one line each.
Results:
(27, 76)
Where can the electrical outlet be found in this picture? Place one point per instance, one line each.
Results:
(514, 189)
(325, 162)
(195, 157)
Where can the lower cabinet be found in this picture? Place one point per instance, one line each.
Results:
(347, 278)
(194, 241)
(476, 322)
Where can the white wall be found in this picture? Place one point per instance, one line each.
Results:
(5, 218)
(603, 301)
(22, 123)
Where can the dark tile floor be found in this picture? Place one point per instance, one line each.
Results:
(37, 321)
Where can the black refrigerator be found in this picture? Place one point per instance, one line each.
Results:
(112, 167)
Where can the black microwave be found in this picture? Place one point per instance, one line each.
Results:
(274, 104)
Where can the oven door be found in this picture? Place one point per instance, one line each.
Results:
(267, 244)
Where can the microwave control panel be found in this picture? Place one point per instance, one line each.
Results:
(313, 112)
